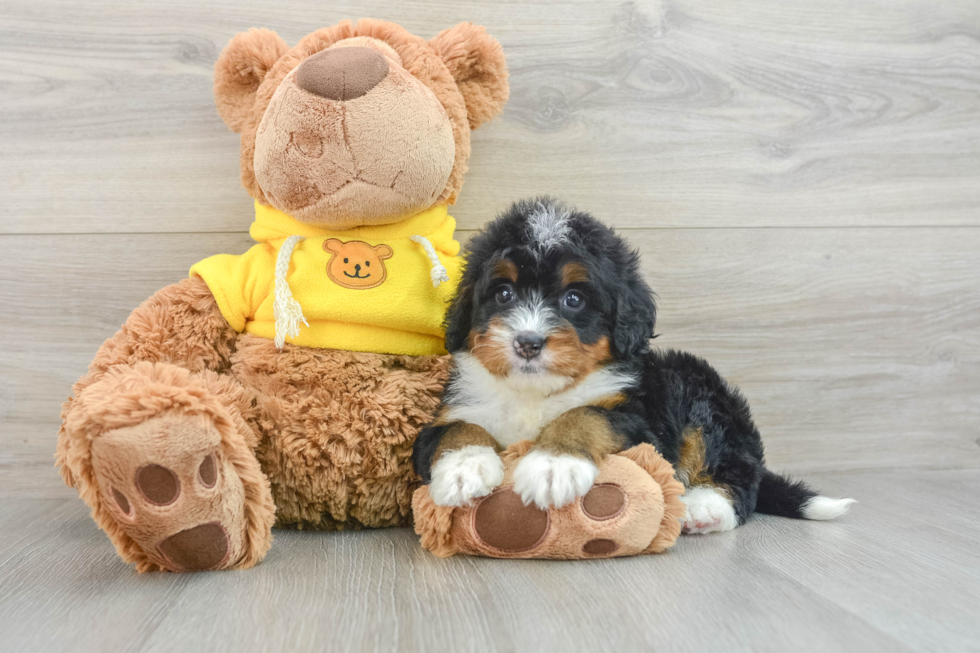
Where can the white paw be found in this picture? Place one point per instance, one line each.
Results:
(548, 480)
(708, 511)
(462, 475)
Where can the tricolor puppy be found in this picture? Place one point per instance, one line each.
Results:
(550, 335)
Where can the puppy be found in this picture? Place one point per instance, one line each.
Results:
(550, 334)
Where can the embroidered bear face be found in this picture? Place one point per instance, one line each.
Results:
(355, 264)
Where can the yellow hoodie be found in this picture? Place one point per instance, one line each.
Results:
(374, 289)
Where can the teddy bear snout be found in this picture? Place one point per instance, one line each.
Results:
(342, 73)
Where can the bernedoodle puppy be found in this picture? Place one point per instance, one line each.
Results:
(550, 334)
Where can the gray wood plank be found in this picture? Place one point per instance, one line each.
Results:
(680, 113)
(888, 577)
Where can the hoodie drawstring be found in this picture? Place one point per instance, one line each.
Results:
(438, 273)
(285, 308)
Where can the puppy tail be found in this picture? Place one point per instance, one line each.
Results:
(784, 497)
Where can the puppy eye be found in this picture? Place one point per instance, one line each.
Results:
(504, 295)
(573, 300)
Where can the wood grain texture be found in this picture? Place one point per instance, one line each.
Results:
(886, 578)
(676, 113)
(801, 180)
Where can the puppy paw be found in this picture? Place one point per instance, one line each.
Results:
(708, 511)
(549, 481)
(462, 475)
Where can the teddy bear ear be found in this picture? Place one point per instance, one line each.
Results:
(477, 62)
(240, 69)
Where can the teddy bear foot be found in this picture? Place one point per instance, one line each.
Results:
(171, 486)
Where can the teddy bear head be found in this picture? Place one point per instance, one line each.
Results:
(358, 124)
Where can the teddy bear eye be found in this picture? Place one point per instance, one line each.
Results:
(367, 264)
(345, 260)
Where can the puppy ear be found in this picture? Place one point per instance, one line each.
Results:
(459, 316)
(240, 69)
(636, 314)
(477, 63)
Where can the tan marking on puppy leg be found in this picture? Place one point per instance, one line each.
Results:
(583, 432)
(441, 417)
(491, 349)
(505, 269)
(609, 402)
(464, 434)
(690, 463)
(569, 356)
(574, 273)
(691, 468)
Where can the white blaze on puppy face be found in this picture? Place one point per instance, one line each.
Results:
(548, 227)
(496, 348)
(531, 315)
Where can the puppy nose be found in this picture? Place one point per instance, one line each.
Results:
(529, 345)
(342, 73)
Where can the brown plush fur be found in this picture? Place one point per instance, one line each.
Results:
(338, 429)
(237, 434)
(321, 439)
(240, 69)
(645, 519)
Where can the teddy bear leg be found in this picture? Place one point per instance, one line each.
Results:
(166, 462)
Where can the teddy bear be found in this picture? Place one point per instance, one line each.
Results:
(284, 386)
(634, 507)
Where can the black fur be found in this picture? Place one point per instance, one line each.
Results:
(674, 391)
(781, 496)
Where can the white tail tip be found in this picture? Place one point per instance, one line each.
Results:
(822, 508)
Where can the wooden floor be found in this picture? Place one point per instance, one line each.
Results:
(803, 181)
(901, 573)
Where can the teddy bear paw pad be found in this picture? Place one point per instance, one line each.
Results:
(198, 548)
(502, 521)
(170, 486)
(604, 501)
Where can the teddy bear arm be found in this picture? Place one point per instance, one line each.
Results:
(180, 324)
(156, 416)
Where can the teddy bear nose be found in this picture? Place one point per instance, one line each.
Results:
(342, 73)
